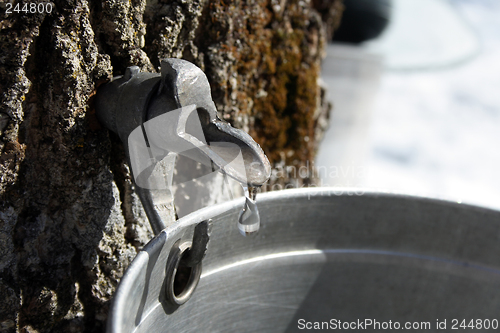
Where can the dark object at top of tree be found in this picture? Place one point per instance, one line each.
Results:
(363, 20)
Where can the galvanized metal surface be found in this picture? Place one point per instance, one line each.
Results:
(320, 256)
(158, 117)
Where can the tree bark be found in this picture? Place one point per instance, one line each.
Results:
(70, 222)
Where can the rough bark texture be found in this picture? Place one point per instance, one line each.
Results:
(331, 14)
(70, 222)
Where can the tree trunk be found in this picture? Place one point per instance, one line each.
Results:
(70, 222)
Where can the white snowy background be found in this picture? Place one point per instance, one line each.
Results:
(418, 110)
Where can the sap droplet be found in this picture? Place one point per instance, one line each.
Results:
(249, 219)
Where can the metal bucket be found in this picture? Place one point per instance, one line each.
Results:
(321, 257)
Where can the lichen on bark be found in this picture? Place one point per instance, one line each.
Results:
(70, 222)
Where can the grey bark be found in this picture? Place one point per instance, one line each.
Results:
(70, 222)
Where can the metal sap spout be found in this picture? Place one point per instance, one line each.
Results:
(161, 116)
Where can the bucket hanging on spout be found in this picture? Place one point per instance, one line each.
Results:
(319, 257)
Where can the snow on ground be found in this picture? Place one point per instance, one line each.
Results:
(433, 131)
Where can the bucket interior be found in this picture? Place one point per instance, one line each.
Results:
(324, 258)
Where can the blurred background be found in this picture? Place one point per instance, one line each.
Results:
(416, 108)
